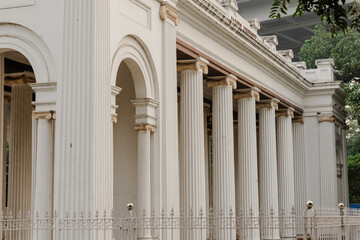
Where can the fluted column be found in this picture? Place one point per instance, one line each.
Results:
(285, 158)
(299, 165)
(43, 192)
(20, 163)
(268, 178)
(328, 172)
(2, 135)
(207, 110)
(247, 171)
(192, 160)
(144, 175)
(223, 151)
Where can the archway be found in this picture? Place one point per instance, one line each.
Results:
(134, 130)
(17, 159)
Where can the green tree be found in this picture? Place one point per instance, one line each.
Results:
(344, 48)
(332, 12)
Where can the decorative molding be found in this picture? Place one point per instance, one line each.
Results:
(4, 4)
(114, 117)
(44, 115)
(252, 92)
(145, 111)
(168, 12)
(298, 119)
(145, 127)
(19, 78)
(269, 103)
(229, 80)
(289, 112)
(193, 64)
(322, 119)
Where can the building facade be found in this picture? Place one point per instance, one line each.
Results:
(169, 104)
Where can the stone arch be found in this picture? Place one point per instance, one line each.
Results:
(19, 38)
(133, 52)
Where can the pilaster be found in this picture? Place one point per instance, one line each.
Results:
(328, 173)
(223, 150)
(285, 158)
(170, 198)
(247, 170)
(268, 177)
(192, 157)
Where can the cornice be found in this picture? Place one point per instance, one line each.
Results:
(257, 46)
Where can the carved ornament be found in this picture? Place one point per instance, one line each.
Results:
(19, 78)
(269, 103)
(326, 119)
(44, 115)
(229, 80)
(145, 127)
(114, 118)
(193, 64)
(248, 93)
(299, 119)
(167, 12)
(289, 112)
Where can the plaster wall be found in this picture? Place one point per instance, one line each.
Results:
(43, 17)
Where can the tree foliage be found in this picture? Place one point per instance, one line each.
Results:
(344, 48)
(332, 12)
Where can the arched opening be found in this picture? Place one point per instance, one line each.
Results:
(125, 143)
(18, 136)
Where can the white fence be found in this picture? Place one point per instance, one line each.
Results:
(314, 224)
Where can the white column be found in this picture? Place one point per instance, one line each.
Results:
(247, 191)
(207, 110)
(345, 177)
(299, 165)
(20, 163)
(268, 178)
(223, 152)
(169, 112)
(285, 158)
(328, 171)
(43, 191)
(144, 175)
(2, 135)
(192, 159)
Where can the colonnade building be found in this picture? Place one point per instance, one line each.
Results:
(168, 104)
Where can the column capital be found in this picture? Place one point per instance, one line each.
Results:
(168, 11)
(229, 80)
(269, 103)
(289, 112)
(252, 92)
(44, 115)
(7, 98)
(145, 127)
(298, 119)
(328, 118)
(193, 64)
(19, 78)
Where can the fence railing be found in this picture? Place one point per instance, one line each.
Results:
(319, 224)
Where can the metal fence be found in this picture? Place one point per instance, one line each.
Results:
(318, 224)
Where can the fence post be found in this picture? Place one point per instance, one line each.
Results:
(341, 207)
(309, 206)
